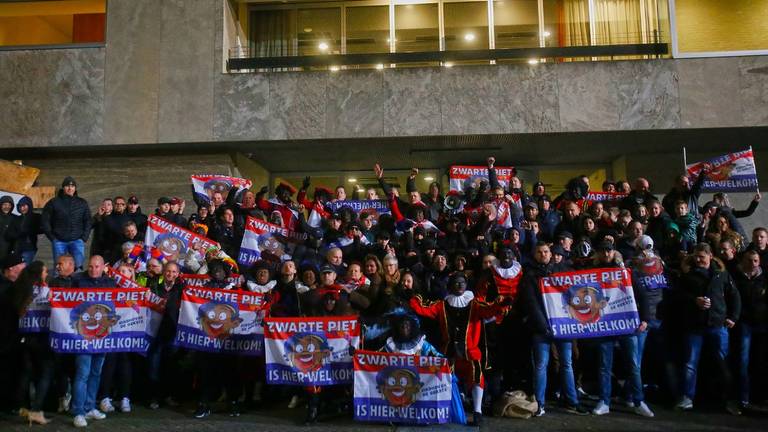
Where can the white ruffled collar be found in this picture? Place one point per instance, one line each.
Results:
(254, 287)
(410, 347)
(460, 301)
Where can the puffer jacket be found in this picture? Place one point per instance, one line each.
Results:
(66, 218)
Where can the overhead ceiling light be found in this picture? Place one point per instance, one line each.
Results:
(533, 61)
(429, 178)
(547, 34)
(323, 46)
(379, 66)
(352, 180)
(307, 29)
(469, 37)
(334, 68)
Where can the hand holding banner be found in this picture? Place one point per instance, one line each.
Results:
(206, 185)
(733, 172)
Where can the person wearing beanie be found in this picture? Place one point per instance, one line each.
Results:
(66, 221)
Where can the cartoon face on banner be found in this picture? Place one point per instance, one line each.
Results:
(93, 320)
(171, 247)
(585, 303)
(270, 245)
(219, 185)
(399, 385)
(307, 351)
(218, 320)
(718, 173)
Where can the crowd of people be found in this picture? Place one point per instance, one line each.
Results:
(451, 274)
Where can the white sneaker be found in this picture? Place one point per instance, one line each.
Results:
(685, 403)
(125, 405)
(80, 421)
(95, 414)
(64, 403)
(601, 409)
(106, 405)
(294, 402)
(643, 410)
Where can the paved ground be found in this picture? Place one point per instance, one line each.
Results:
(284, 420)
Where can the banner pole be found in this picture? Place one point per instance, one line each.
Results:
(757, 180)
(685, 161)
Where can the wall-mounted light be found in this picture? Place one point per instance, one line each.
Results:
(448, 64)
(429, 179)
(379, 66)
(334, 68)
(323, 46)
(533, 61)
(352, 180)
(469, 37)
(546, 34)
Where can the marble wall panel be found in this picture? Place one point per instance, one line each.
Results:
(470, 98)
(648, 94)
(297, 105)
(412, 102)
(709, 92)
(354, 104)
(753, 81)
(529, 101)
(132, 76)
(241, 109)
(77, 98)
(186, 72)
(588, 96)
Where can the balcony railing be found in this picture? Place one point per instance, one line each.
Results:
(240, 60)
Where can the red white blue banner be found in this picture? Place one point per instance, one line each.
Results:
(200, 280)
(401, 388)
(169, 242)
(310, 351)
(590, 303)
(593, 196)
(464, 176)
(263, 240)
(373, 208)
(205, 185)
(226, 321)
(649, 273)
(99, 320)
(38, 312)
(733, 172)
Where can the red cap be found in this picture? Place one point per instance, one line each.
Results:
(323, 190)
(287, 186)
(175, 201)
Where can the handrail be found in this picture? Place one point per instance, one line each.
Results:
(234, 64)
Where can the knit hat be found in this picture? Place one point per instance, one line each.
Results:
(69, 180)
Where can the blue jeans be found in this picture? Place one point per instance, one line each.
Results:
(745, 332)
(629, 348)
(86, 382)
(540, 363)
(76, 248)
(718, 337)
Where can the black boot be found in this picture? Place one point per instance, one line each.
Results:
(202, 411)
(313, 410)
(478, 419)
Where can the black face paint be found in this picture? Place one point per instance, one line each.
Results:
(507, 258)
(458, 285)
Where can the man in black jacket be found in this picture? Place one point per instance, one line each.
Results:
(66, 222)
(536, 318)
(711, 305)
